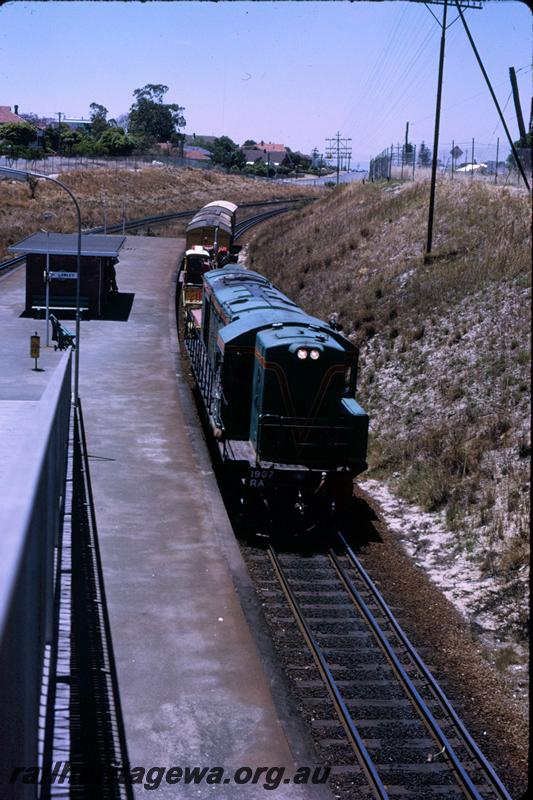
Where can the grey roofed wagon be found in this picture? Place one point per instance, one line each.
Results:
(67, 244)
(210, 220)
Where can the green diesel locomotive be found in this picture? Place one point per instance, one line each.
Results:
(278, 388)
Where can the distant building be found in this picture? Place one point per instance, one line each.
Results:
(77, 124)
(9, 117)
(272, 148)
(6, 115)
(266, 153)
(192, 138)
(196, 153)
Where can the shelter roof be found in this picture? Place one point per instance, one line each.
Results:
(66, 244)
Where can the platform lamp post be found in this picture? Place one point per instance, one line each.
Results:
(26, 175)
(47, 216)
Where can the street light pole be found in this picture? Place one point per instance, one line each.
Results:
(25, 175)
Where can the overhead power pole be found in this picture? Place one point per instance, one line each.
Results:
(459, 4)
(516, 98)
(517, 158)
(341, 148)
(429, 241)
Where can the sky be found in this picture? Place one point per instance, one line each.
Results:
(290, 72)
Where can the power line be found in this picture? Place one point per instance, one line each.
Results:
(341, 149)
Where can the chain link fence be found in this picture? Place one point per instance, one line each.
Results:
(468, 160)
(55, 165)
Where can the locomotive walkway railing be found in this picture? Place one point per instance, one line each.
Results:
(202, 369)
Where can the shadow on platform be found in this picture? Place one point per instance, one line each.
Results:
(118, 307)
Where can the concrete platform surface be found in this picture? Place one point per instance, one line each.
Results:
(18, 380)
(193, 688)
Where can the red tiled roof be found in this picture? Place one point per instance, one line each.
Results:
(196, 155)
(6, 115)
(272, 148)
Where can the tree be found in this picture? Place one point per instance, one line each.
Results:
(249, 143)
(53, 135)
(99, 121)
(116, 142)
(150, 119)
(227, 153)
(424, 156)
(71, 139)
(523, 148)
(19, 134)
(123, 121)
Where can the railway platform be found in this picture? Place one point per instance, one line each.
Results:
(194, 689)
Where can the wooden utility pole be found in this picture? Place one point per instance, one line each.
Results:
(491, 90)
(516, 98)
(429, 241)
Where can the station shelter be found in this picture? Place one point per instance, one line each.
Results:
(56, 254)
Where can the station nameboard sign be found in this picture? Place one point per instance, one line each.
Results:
(63, 276)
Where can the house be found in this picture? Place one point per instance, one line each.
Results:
(192, 139)
(268, 147)
(196, 153)
(268, 154)
(6, 115)
(77, 124)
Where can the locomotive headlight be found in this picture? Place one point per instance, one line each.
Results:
(301, 353)
(315, 354)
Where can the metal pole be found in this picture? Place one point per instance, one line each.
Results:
(497, 157)
(472, 162)
(453, 155)
(47, 287)
(436, 133)
(414, 160)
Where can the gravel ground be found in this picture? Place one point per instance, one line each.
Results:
(497, 721)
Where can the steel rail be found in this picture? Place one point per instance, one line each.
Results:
(159, 219)
(351, 730)
(246, 224)
(438, 734)
(436, 690)
(6, 265)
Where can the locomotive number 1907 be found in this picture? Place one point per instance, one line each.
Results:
(259, 477)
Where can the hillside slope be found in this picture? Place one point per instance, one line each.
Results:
(107, 194)
(444, 365)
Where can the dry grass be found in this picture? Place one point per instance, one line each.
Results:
(445, 347)
(146, 192)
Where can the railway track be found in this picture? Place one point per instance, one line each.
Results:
(363, 686)
(160, 219)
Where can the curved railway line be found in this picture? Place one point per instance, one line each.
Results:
(367, 690)
(160, 219)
